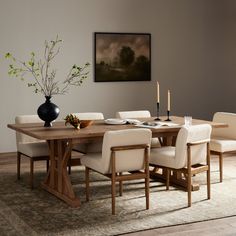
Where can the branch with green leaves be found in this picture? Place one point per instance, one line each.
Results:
(43, 76)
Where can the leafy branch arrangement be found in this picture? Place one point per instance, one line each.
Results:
(73, 120)
(43, 76)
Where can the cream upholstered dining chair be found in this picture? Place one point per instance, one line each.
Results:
(122, 151)
(133, 114)
(138, 114)
(30, 147)
(89, 146)
(223, 140)
(190, 156)
(90, 115)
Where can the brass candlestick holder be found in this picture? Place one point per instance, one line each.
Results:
(158, 109)
(168, 116)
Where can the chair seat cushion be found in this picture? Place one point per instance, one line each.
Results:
(219, 144)
(34, 149)
(93, 161)
(155, 143)
(164, 156)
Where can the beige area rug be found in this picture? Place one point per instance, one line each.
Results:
(26, 212)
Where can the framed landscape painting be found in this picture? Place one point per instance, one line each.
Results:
(122, 57)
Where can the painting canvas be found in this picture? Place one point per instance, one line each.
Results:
(122, 57)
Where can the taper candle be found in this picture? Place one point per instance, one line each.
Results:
(168, 100)
(158, 92)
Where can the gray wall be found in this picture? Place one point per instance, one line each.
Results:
(193, 54)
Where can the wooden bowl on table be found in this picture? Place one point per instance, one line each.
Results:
(85, 123)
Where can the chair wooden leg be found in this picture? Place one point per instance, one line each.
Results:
(18, 164)
(221, 166)
(167, 178)
(208, 173)
(87, 183)
(147, 177)
(31, 173)
(147, 182)
(208, 185)
(113, 194)
(189, 190)
(120, 186)
(189, 177)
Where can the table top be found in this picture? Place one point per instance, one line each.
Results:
(98, 128)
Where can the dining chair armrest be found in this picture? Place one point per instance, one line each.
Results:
(129, 147)
(198, 142)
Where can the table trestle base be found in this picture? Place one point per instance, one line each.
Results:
(58, 181)
(176, 179)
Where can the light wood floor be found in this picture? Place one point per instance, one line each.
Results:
(225, 226)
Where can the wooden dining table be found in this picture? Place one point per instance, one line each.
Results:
(61, 138)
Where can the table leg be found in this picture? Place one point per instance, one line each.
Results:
(167, 141)
(58, 181)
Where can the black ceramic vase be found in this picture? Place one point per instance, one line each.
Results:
(48, 112)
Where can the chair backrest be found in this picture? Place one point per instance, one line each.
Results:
(90, 115)
(23, 138)
(228, 118)
(129, 160)
(191, 134)
(132, 114)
